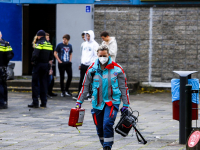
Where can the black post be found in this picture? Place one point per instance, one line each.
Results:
(188, 110)
(182, 137)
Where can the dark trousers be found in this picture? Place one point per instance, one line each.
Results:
(3, 90)
(50, 84)
(65, 66)
(40, 72)
(104, 121)
(82, 75)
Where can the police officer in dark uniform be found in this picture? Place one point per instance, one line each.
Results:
(6, 54)
(42, 54)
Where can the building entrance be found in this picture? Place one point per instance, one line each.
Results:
(36, 17)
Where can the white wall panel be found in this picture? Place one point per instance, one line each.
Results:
(73, 19)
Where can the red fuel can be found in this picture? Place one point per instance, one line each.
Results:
(76, 117)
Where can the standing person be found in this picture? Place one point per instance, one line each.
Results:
(42, 54)
(63, 54)
(111, 43)
(6, 54)
(83, 36)
(88, 56)
(50, 83)
(109, 87)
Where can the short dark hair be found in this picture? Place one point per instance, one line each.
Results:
(105, 34)
(82, 34)
(46, 34)
(67, 36)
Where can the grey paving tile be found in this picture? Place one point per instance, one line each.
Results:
(22, 128)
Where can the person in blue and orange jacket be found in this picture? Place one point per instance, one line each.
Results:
(109, 87)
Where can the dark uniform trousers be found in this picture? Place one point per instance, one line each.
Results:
(3, 90)
(40, 72)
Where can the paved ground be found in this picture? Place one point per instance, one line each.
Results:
(47, 129)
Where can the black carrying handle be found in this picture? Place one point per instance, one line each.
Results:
(143, 141)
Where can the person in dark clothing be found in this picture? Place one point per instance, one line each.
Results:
(42, 54)
(63, 54)
(6, 54)
(51, 77)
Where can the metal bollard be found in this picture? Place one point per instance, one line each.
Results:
(182, 138)
(188, 110)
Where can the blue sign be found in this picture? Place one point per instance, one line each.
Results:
(87, 9)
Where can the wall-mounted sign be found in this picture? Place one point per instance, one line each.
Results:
(87, 9)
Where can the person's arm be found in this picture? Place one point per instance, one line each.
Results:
(51, 55)
(95, 52)
(56, 56)
(36, 52)
(9, 51)
(81, 50)
(113, 49)
(122, 83)
(70, 55)
(85, 87)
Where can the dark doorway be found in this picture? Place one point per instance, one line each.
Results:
(36, 17)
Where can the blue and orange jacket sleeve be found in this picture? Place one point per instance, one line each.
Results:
(122, 82)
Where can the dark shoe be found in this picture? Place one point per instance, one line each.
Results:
(4, 107)
(53, 94)
(107, 148)
(43, 105)
(48, 96)
(33, 105)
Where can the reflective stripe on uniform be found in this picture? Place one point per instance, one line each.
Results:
(5, 49)
(111, 139)
(8, 48)
(2, 48)
(45, 46)
(38, 46)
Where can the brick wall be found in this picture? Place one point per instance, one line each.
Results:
(175, 42)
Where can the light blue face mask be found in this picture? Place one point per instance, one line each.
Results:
(103, 60)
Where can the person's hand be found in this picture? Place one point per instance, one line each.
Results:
(79, 67)
(123, 109)
(50, 72)
(60, 61)
(78, 105)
